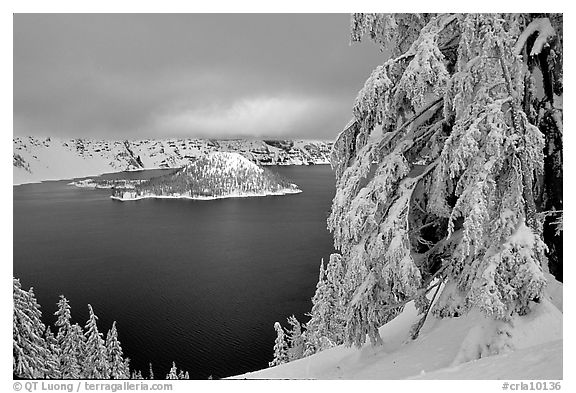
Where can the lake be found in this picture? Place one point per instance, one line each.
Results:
(200, 283)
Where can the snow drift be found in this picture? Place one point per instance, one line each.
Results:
(467, 347)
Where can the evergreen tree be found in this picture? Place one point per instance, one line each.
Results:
(325, 327)
(151, 372)
(173, 373)
(453, 188)
(37, 353)
(53, 359)
(116, 363)
(136, 374)
(295, 339)
(63, 322)
(73, 353)
(316, 326)
(95, 361)
(127, 367)
(30, 351)
(280, 347)
(70, 339)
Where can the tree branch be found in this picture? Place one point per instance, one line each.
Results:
(527, 177)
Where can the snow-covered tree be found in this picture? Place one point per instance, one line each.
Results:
(96, 360)
(280, 347)
(53, 359)
(64, 315)
(325, 327)
(150, 372)
(442, 172)
(173, 373)
(70, 340)
(30, 351)
(295, 339)
(116, 364)
(71, 354)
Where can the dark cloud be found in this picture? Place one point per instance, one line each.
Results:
(187, 75)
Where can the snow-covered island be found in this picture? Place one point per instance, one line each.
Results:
(214, 176)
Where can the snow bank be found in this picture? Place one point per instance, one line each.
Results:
(542, 361)
(468, 347)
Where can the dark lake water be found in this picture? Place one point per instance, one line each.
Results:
(200, 283)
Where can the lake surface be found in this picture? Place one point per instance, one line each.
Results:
(200, 283)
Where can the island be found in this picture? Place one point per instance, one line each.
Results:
(213, 176)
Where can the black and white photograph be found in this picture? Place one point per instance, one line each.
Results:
(287, 196)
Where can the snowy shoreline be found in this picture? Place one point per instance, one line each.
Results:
(206, 198)
(73, 179)
(39, 159)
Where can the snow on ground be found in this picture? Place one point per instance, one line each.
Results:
(50, 160)
(542, 361)
(232, 162)
(37, 159)
(468, 347)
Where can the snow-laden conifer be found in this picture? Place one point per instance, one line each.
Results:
(325, 327)
(53, 359)
(280, 347)
(173, 373)
(95, 364)
(442, 172)
(70, 340)
(30, 352)
(117, 366)
(64, 315)
(295, 339)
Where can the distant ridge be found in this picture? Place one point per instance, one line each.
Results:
(38, 159)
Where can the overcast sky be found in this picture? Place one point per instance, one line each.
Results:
(186, 75)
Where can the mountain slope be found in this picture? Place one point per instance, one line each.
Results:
(467, 347)
(216, 175)
(37, 159)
